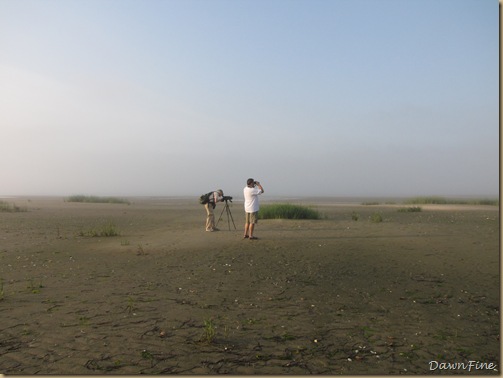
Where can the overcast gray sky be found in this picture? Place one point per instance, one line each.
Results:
(311, 97)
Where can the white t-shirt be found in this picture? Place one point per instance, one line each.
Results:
(251, 199)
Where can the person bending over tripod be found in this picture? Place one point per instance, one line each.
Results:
(251, 192)
(215, 197)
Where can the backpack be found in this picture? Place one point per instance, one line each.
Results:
(205, 198)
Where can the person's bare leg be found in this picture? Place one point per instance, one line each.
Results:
(251, 227)
(247, 226)
(209, 216)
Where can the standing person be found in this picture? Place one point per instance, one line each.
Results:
(251, 192)
(214, 197)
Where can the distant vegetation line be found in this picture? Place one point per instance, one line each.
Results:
(96, 199)
(6, 207)
(445, 201)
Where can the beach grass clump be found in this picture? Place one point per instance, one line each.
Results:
(209, 331)
(6, 207)
(96, 199)
(376, 218)
(287, 211)
(106, 230)
(410, 209)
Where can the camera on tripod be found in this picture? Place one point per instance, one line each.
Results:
(227, 210)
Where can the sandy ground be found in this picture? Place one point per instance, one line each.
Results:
(333, 296)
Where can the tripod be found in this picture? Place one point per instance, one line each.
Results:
(229, 215)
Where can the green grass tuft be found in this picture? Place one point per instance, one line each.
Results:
(376, 218)
(287, 211)
(209, 331)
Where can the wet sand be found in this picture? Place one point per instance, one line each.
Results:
(330, 296)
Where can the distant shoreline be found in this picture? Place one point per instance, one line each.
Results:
(346, 200)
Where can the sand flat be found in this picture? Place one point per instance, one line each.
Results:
(331, 296)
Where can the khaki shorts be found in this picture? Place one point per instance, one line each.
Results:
(252, 218)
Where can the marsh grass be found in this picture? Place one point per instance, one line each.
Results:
(96, 199)
(287, 211)
(6, 207)
(436, 200)
(107, 230)
(412, 209)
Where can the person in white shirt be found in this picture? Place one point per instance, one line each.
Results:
(251, 192)
(215, 197)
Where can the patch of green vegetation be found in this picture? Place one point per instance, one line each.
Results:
(443, 335)
(355, 216)
(146, 355)
(106, 230)
(436, 200)
(33, 287)
(209, 331)
(286, 336)
(130, 308)
(287, 211)
(83, 321)
(263, 357)
(376, 218)
(6, 207)
(96, 199)
(412, 209)
(282, 338)
(367, 331)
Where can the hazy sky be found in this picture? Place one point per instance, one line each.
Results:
(311, 97)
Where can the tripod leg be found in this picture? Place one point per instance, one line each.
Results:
(228, 221)
(220, 216)
(232, 220)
